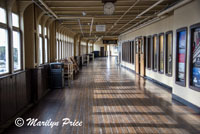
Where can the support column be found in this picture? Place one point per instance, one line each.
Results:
(29, 37)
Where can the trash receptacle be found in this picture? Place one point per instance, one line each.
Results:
(56, 75)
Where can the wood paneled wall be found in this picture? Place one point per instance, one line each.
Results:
(20, 89)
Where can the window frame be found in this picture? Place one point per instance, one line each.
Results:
(5, 27)
(17, 29)
(166, 50)
(41, 36)
(153, 62)
(192, 27)
(183, 84)
(147, 52)
(159, 56)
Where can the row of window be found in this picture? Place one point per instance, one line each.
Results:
(5, 49)
(64, 48)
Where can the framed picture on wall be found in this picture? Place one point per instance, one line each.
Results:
(181, 55)
(194, 68)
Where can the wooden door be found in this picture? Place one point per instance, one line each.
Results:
(137, 56)
(142, 56)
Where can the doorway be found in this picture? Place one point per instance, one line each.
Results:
(102, 52)
(140, 56)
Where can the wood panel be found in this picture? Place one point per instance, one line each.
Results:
(142, 56)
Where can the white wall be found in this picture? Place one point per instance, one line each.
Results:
(182, 17)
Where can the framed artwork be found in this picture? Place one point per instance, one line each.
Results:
(148, 51)
(194, 68)
(181, 54)
(161, 53)
(168, 53)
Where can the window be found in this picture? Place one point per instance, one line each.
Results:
(168, 53)
(3, 51)
(16, 42)
(46, 50)
(148, 48)
(194, 70)
(15, 20)
(57, 49)
(40, 50)
(60, 50)
(16, 50)
(161, 53)
(45, 31)
(40, 29)
(181, 44)
(2, 15)
(4, 63)
(155, 53)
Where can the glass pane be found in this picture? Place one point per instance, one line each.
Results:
(40, 29)
(161, 39)
(196, 58)
(60, 50)
(3, 51)
(15, 20)
(16, 50)
(181, 55)
(57, 50)
(155, 52)
(169, 54)
(45, 42)
(40, 50)
(2, 15)
(45, 31)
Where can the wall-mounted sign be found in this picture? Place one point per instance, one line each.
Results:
(100, 28)
(109, 41)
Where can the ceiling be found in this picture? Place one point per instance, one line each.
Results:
(70, 14)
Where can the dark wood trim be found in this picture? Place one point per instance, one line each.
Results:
(155, 35)
(192, 27)
(3, 25)
(166, 49)
(176, 64)
(160, 34)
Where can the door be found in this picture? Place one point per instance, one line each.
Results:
(137, 56)
(142, 56)
(102, 51)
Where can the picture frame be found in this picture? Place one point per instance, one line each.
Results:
(194, 57)
(181, 56)
(166, 49)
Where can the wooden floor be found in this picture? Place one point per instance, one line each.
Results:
(109, 99)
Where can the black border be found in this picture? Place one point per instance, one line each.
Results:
(176, 65)
(166, 49)
(192, 27)
(158, 47)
